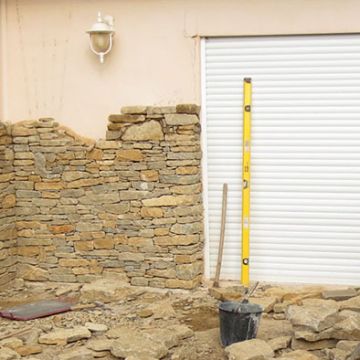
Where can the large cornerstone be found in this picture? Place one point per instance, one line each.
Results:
(130, 205)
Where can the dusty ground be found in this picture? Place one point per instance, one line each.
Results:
(195, 309)
(138, 309)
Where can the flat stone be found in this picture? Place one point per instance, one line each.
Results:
(73, 175)
(32, 273)
(107, 144)
(176, 240)
(349, 327)
(229, 293)
(149, 175)
(348, 346)
(191, 228)
(148, 131)
(186, 189)
(9, 201)
(344, 350)
(77, 354)
(180, 180)
(106, 290)
(145, 313)
(314, 314)
(340, 294)
(181, 331)
(117, 209)
(206, 345)
(27, 194)
(99, 344)
(61, 229)
(126, 118)
(129, 256)
(64, 336)
(189, 271)
(270, 329)
(162, 273)
(136, 110)
(64, 290)
(313, 345)
(254, 349)
(132, 195)
(113, 135)
(355, 354)
(188, 109)
(314, 336)
(27, 350)
(11, 343)
(299, 355)
(181, 119)
(74, 262)
(170, 336)
(94, 327)
(8, 354)
(91, 198)
(141, 357)
(152, 212)
(160, 110)
(130, 342)
(116, 127)
(294, 294)
(267, 303)
(162, 309)
(19, 130)
(335, 354)
(84, 183)
(82, 226)
(281, 342)
(169, 200)
(129, 155)
(351, 304)
(73, 193)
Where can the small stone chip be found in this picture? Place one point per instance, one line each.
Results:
(145, 313)
(94, 327)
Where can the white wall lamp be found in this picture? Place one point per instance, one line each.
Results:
(101, 36)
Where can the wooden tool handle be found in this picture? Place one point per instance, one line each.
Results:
(222, 235)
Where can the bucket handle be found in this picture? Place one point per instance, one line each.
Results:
(249, 293)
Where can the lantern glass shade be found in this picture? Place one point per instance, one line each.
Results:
(100, 41)
(101, 36)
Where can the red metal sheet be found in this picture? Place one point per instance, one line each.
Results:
(36, 309)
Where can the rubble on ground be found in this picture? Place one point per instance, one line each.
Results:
(114, 320)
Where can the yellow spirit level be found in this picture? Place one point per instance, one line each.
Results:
(245, 219)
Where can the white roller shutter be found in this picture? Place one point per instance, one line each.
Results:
(305, 195)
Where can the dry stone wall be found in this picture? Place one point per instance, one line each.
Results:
(129, 205)
(7, 208)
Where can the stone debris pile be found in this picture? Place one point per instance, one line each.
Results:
(134, 323)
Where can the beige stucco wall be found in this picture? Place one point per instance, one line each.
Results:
(48, 70)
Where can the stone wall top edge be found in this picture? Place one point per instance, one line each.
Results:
(148, 112)
(153, 110)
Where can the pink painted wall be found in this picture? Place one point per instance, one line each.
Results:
(48, 70)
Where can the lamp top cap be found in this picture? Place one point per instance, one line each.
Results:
(102, 25)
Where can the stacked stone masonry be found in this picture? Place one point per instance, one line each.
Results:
(7, 208)
(129, 205)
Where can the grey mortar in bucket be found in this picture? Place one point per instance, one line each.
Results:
(239, 321)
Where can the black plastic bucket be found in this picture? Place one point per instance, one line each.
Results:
(239, 321)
